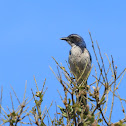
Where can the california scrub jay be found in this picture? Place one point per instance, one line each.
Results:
(79, 58)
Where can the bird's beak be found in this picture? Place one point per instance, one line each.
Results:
(64, 38)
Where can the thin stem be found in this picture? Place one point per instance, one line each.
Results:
(103, 116)
(74, 110)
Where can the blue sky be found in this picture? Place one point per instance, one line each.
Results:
(29, 37)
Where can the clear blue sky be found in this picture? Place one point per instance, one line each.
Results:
(29, 37)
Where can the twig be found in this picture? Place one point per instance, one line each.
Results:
(102, 62)
(118, 77)
(74, 110)
(103, 116)
(121, 121)
(16, 95)
(12, 101)
(96, 56)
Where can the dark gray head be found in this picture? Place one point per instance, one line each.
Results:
(75, 39)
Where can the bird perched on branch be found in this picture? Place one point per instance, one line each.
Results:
(79, 58)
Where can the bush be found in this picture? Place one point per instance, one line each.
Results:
(74, 113)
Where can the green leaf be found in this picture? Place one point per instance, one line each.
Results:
(100, 120)
(91, 99)
(63, 111)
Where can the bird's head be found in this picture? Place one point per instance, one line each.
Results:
(75, 39)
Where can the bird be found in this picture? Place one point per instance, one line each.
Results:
(79, 59)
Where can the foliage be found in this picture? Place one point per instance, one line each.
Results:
(105, 84)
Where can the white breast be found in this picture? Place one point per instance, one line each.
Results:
(78, 59)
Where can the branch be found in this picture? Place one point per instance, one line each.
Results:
(103, 116)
